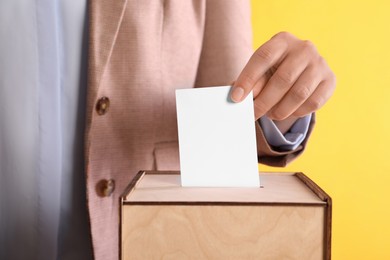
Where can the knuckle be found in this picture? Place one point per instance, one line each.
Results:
(330, 89)
(300, 94)
(308, 46)
(314, 104)
(286, 77)
(283, 35)
(323, 66)
(322, 62)
(333, 79)
(264, 54)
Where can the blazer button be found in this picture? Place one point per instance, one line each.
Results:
(102, 105)
(105, 188)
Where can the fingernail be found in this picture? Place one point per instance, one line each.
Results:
(237, 94)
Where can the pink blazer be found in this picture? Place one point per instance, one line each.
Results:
(139, 53)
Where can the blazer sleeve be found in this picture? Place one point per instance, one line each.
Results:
(227, 46)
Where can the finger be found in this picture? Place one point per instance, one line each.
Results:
(260, 84)
(302, 89)
(281, 82)
(317, 99)
(261, 61)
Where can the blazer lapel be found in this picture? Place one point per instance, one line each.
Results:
(105, 17)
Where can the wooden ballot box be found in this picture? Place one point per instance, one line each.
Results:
(288, 217)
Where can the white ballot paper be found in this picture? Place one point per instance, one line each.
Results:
(217, 139)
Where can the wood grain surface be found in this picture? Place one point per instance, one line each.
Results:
(222, 232)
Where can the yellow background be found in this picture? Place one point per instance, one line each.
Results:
(348, 151)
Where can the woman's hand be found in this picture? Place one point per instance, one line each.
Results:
(288, 77)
